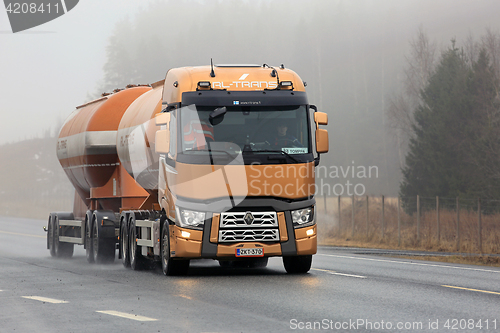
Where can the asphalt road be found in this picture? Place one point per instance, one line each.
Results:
(344, 292)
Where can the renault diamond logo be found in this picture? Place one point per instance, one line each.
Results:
(248, 218)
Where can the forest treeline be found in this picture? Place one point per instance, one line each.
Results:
(32, 182)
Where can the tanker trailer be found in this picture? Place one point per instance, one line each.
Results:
(86, 149)
(207, 169)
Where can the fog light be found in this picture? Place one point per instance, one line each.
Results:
(310, 232)
(185, 234)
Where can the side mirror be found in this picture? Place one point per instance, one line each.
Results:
(162, 118)
(321, 118)
(322, 141)
(162, 137)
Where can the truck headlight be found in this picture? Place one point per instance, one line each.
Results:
(303, 217)
(190, 219)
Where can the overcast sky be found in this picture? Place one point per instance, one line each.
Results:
(48, 70)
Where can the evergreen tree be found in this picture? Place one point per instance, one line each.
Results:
(434, 162)
(484, 148)
(455, 150)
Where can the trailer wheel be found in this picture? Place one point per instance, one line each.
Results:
(297, 264)
(62, 250)
(103, 249)
(50, 235)
(89, 252)
(170, 266)
(124, 243)
(136, 259)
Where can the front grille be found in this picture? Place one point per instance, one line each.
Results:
(248, 219)
(249, 235)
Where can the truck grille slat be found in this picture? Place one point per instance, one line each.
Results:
(249, 235)
(243, 220)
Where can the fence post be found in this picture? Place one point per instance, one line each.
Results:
(480, 226)
(458, 226)
(367, 216)
(352, 216)
(383, 217)
(399, 221)
(438, 222)
(340, 214)
(418, 218)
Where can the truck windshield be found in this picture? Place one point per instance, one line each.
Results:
(250, 130)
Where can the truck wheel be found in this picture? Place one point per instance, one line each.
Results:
(62, 250)
(103, 249)
(136, 259)
(89, 252)
(170, 266)
(297, 264)
(124, 244)
(50, 235)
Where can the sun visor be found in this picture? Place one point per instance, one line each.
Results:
(244, 98)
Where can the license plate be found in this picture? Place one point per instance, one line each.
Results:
(254, 252)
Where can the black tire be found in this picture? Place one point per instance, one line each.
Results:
(89, 252)
(297, 264)
(50, 235)
(62, 250)
(135, 256)
(169, 266)
(103, 249)
(124, 243)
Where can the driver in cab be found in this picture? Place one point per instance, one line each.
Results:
(282, 139)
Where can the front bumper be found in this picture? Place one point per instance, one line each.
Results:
(193, 244)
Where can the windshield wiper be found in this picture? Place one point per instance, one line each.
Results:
(278, 152)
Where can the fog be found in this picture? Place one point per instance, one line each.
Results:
(351, 53)
(48, 70)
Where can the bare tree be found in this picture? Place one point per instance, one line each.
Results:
(420, 64)
(419, 67)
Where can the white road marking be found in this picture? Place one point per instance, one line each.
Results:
(185, 296)
(341, 274)
(19, 234)
(411, 263)
(127, 315)
(45, 299)
(470, 289)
